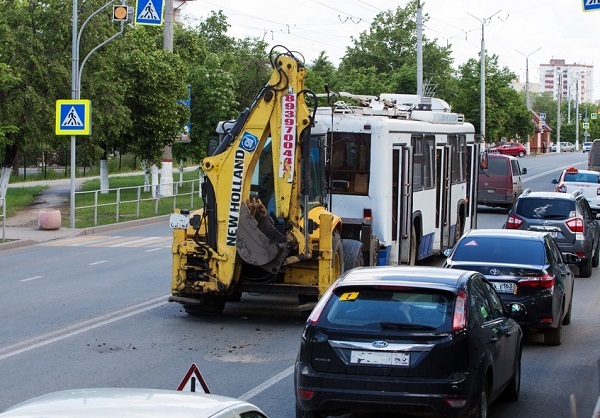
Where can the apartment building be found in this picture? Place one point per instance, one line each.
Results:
(571, 81)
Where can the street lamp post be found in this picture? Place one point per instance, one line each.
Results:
(482, 72)
(527, 75)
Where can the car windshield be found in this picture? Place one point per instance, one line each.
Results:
(542, 208)
(389, 309)
(500, 250)
(582, 177)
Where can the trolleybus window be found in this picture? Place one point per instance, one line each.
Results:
(459, 158)
(350, 163)
(423, 166)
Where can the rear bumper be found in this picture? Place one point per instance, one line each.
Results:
(345, 393)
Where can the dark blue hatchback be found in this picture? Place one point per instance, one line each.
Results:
(408, 340)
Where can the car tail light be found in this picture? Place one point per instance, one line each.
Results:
(460, 311)
(513, 222)
(561, 188)
(313, 318)
(543, 281)
(575, 224)
(306, 394)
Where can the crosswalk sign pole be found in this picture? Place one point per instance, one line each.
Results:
(74, 96)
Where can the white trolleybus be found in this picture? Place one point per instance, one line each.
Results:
(404, 167)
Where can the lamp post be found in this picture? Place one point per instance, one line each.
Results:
(482, 72)
(528, 103)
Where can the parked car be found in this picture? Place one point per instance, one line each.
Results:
(516, 149)
(125, 402)
(566, 217)
(411, 340)
(594, 156)
(500, 184)
(525, 267)
(586, 181)
(564, 147)
(587, 146)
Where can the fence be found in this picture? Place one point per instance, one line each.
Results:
(119, 204)
(3, 216)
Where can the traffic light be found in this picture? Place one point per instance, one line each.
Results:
(119, 13)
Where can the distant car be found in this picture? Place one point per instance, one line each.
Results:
(419, 340)
(587, 146)
(500, 183)
(566, 217)
(122, 402)
(525, 267)
(586, 181)
(516, 149)
(564, 147)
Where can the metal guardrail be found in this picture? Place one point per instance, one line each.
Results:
(3, 216)
(144, 193)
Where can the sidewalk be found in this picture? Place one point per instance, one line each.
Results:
(22, 229)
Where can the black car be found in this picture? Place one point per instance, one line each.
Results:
(408, 340)
(525, 267)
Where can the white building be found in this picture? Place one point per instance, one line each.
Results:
(571, 81)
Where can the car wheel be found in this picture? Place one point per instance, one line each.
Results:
(306, 414)
(585, 268)
(552, 336)
(596, 257)
(483, 405)
(512, 391)
(353, 256)
(521, 154)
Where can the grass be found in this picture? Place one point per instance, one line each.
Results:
(94, 208)
(131, 206)
(18, 198)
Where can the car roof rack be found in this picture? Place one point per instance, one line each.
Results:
(576, 193)
(526, 192)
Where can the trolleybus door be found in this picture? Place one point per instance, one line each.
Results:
(443, 194)
(402, 200)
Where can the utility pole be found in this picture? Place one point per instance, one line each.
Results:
(558, 112)
(166, 178)
(577, 113)
(527, 101)
(419, 49)
(482, 73)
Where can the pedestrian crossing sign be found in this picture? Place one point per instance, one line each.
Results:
(149, 12)
(73, 117)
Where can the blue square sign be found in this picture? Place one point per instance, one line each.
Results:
(149, 12)
(589, 5)
(73, 117)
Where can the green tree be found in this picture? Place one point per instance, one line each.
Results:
(507, 116)
(388, 49)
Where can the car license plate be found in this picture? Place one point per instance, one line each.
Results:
(504, 287)
(177, 220)
(382, 358)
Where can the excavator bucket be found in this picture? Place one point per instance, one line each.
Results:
(259, 243)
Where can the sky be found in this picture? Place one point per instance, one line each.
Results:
(522, 33)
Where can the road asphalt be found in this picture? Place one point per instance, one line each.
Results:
(23, 228)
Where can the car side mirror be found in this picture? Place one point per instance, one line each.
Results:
(554, 181)
(524, 171)
(517, 311)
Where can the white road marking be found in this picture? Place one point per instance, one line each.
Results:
(552, 171)
(267, 384)
(31, 278)
(153, 249)
(42, 340)
(98, 262)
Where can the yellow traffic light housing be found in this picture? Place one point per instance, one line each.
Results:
(119, 13)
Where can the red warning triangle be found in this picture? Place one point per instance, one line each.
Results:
(193, 381)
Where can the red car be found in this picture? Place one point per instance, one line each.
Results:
(516, 149)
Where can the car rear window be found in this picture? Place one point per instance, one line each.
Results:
(542, 208)
(500, 250)
(387, 308)
(497, 166)
(582, 177)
